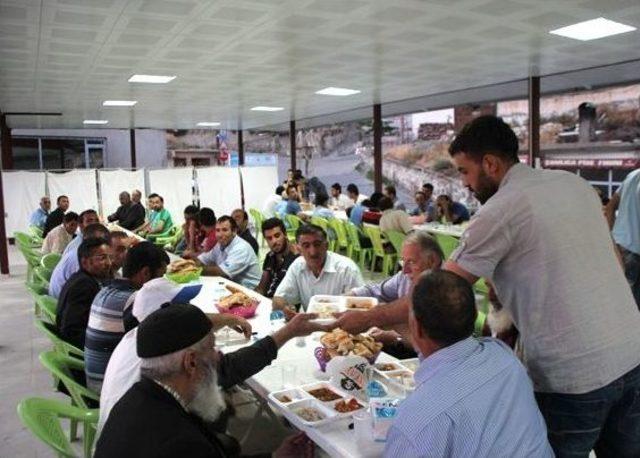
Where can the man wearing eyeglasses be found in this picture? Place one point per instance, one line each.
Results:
(74, 303)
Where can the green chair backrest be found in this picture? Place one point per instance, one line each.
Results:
(42, 417)
(48, 305)
(257, 219)
(37, 288)
(396, 238)
(59, 345)
(50, 261)
(448, 244)
(376, 239)
(42, 273)
(353, 233)
(341, 232)
(35, 232)
(23, 239)
(61, 366)
(321, 222)
(293, 222)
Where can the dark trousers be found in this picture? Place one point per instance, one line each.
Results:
(631, 262)
(606, 420)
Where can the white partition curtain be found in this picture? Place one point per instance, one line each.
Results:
(22, 193)
(79, 185)
(113, 182)
(176, 188)
(219, 189)
(258, 184)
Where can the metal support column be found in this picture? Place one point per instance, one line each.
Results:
(377, 147)
(292, 143)
(534, 119)
(132, 147)
(240, 148)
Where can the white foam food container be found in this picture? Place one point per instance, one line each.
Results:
(360, 303)
(294, 394)
(412, 364)
(400, 379)
(291, 412)
(344, 396)
(325, 306)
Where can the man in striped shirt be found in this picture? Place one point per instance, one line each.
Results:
(473, 397)
(110, 315)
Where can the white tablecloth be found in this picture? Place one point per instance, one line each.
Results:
(334, 438)
(443, 229)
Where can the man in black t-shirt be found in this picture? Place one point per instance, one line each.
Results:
(279, 258)
(54, 219)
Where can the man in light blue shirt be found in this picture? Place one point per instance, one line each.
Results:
(473, 398)
(69, 264)
(39, 217)
(626, 230)
(232, 257)
(420, 253)
(321, 209)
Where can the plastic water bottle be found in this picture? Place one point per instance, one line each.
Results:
(277, 319)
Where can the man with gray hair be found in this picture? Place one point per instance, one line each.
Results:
(420, 253)
(127, 215)
(169, 411)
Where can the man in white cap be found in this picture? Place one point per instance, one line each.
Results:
(168, 412)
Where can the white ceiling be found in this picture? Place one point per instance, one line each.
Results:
(69, 55)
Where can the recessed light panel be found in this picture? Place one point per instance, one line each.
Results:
(593, 29)
(152, 79)
(95, 121)
(119, 103)
(260, 108)
(208, 124)
(337, 91)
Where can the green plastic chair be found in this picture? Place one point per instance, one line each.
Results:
(171, 240)
(35, 232)
(167, 233)
(293, 223)
(42, 417)
(36, 288)
(25, 240)
(355, 250)
(44, 275)
(50, 261)
(479, 324)
(447, 243)
(59, 345)
(258, 219)
(324, 224)
(342, 241)
(396, 238)
(46, 307)
(388, 259)
(61, 365)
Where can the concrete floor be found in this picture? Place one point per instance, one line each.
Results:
(21, 374)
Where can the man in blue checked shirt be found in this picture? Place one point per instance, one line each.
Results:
(473, 398)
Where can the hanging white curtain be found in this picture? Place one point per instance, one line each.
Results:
(176, 188)
(258, 184)
(22, 193)
(219, 189)
(113, 182)
(79, 185)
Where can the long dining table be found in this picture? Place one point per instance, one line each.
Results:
(335, 438)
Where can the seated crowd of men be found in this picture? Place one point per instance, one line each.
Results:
(151, 355)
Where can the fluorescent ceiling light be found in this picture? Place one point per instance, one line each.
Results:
(339, 91)
(208, 124)
(119, 103)
(593, 29)
(267, 109)
(154, 79)
(95, 121)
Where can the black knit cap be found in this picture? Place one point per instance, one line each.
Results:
(174, 327)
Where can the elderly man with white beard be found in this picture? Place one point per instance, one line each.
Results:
(169, 411)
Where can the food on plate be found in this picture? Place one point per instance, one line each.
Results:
(283, 398)
(309, 414)
(238, 299)
(358, 303)
(182, 266)
(232, 289)
(340, 343)
(324, 394)
(323, 300)
(326, 310)
(384, 367)
(347, 406)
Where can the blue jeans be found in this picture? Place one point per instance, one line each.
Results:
(606, 420)
(631, 262)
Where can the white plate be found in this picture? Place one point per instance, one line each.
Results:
(325, 306)
(371, 302)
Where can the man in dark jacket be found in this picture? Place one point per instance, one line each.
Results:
(55, 217)
(169, 411)
(128, 215)
(74, 302)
